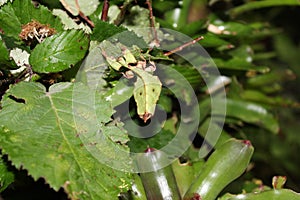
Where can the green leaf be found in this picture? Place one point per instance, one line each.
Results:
(179, 80)
(259, 97)
(252, 5)
(250, 113)
(239, 64)
(212, 40)
(185, 173)
(219, 169)
(270, 194)
(159, 182)
(157, 141)
(59, 52)
(6, 177)
(86, 7)
(39, 133)
(20, 12)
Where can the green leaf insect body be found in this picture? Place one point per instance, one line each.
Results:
(146, 93)
(147, 87)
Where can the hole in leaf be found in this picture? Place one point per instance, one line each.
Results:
(18, 100)
(140, 93)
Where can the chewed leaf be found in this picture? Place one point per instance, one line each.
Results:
(56, 135)
(146, 93)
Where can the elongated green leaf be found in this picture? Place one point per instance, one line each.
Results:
(211, 40)
(38, 132)
(259, 97)
(240, 64)
(219, 169)
(185, 173)
(252, 5)
(250, 113)
(159, 183)
(281, 194)
(20, 12)
(59, 52)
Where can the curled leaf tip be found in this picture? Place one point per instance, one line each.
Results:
(195, 196)
(247, 142)
(146, 116)
(149, 150)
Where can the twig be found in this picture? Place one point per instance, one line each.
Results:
(82, 16)
(120, 18)
(183, 46)
(105, 10)
(152, 23)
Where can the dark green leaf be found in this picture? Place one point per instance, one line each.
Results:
(59, 52)
(239, 64)
(212, 40)
(4, 56)
(104, 30)
(158, 141)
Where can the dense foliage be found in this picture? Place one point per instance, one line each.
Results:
(59, 136)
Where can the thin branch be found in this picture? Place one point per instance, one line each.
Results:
(83, 16)
(152, 23)
(184, 46)
(105, 10)
(121, 16)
